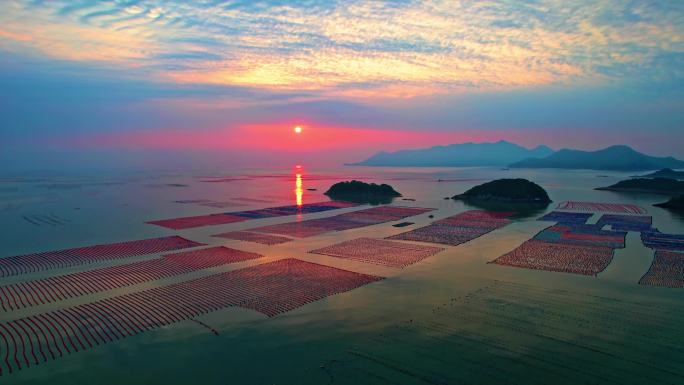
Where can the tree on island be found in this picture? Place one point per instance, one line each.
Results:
(520, 196)
(507, 190)
(361, 192)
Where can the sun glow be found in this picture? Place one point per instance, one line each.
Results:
(298, 130)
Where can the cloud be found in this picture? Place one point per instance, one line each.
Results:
(410, 48)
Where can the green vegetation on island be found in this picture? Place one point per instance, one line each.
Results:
(646, 185)
(361, 192)
(506, 190)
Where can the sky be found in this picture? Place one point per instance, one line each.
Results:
(173, 83)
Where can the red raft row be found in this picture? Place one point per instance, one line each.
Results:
(565, 258)
(667, 270)
(52, 289)
(248, 236)
(271, 288)
(239, 216)
(601, 207)
(379, 252)
(341, 222)
(457, 229)
(31, 263)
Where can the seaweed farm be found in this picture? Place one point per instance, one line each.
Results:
(667, 270)
(347, 221)
(601, 207)
(263, 279)
(29, 263)
(573, 245)
(271, 289)
(457, 229)
(567, 217)
(51, 289)
(626, 222)
(250, 236)
(654, 239)
(562, 257)
(379, 251)
(239, 216)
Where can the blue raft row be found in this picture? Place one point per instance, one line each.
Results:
(626, 222)
(563, 217)
(654, 239)
(583, 235)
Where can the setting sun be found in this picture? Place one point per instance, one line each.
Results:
(298, 130)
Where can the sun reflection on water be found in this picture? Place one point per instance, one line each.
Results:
(299, 191)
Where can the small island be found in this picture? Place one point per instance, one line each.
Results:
(506, 191)
(645, 185)
(675, 203)
(361, 192)
(665, 173)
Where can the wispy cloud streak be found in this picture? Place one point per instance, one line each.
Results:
(360, 48)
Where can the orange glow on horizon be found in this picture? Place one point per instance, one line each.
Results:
(272, 137)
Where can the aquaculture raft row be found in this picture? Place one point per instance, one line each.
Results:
(601, 207)
(654, 239)
(30, 263)
(293, 229)
(565, 217)
(379, 252)
(239, 216)
(571, 245)
(211, 203)
(494, 219)
(626, 222)
(582, 235)
(52, 289)
(667, 270)
(566, 258)
(264, 239)
(270, 288)
(198, 221)
(347, 221)
(457, 229)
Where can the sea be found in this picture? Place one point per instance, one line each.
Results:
(452, 318)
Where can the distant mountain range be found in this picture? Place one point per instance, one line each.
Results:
(501, 153)
(617, 158)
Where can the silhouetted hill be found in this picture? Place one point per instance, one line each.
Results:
(506, 190)
(361, 192)
(665, 173)
(457, 155)
(656, 185)
(675, 203)
(618, 158)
